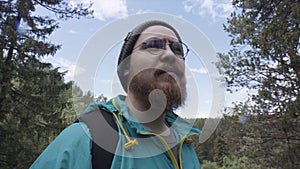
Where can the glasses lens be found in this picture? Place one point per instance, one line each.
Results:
(154, 43)
(177, 48)
(157, 45)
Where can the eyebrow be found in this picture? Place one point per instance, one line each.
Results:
(168, 38)
(160, 35)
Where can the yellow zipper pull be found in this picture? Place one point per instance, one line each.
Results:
(189, 141)
(130, 143)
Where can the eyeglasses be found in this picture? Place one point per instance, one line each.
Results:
(156, 46)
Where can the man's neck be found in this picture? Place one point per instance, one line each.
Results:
(151, 116)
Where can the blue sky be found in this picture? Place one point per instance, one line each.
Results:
(208, 16)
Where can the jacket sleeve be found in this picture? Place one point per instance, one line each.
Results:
(70, 150)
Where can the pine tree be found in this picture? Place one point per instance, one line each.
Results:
(32, 93)
(220, 150)
(265, 59)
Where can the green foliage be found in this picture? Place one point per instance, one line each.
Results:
(236, 163)
(33, 94)
(31, 108)
(258, 142)
(101, 99)
(209, 165)
(80, 100)
(220, 149)
(265, 53)
(265, 59)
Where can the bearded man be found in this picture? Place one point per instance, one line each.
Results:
(139, 130)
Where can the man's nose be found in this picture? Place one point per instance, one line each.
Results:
(168, 55)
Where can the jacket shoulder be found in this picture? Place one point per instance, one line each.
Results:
(70, 149)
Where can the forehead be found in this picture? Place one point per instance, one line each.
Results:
(158, 31)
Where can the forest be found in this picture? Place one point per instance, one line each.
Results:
(36, 103)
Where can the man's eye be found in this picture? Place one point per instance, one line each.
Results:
(154, 43)
(176, 48)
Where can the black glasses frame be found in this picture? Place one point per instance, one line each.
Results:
(167, 42)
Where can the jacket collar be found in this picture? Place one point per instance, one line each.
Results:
(178, 124)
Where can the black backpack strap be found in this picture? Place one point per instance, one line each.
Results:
(105, 137)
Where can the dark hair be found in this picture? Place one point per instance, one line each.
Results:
(129, 43)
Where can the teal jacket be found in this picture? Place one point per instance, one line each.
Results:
(137, 146)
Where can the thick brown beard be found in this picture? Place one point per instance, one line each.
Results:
(142, 85)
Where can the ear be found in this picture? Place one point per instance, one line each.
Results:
(123, 76)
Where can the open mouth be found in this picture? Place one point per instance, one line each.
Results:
(161, 72)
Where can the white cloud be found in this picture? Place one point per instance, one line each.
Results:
(200, 70)
(187, 7)
(64, 65)
(143, 11)
(72, 31)
(110, 9)
(105, 9)
(209, 8)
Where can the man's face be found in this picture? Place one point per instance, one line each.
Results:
(163, 70)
